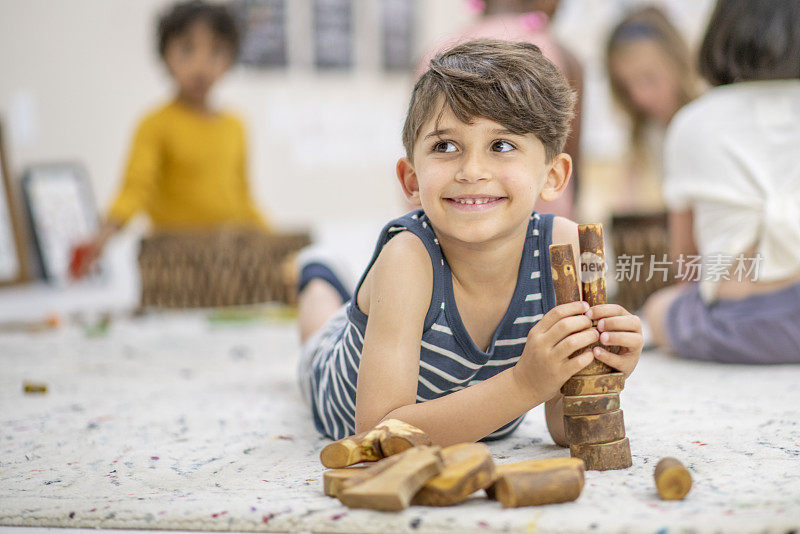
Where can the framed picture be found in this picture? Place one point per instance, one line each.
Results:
(62, 214)
(397, 35)
(333, 34)
(263, 24)
(12, 255)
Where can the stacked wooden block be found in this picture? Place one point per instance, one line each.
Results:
(224, 267)
(407, 470)
(593, 422)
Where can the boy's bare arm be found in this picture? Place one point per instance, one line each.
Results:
(398, 292)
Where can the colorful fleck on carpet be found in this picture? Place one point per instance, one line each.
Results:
(179, 422)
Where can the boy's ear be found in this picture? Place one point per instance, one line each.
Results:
(558, 174)
(408, 180)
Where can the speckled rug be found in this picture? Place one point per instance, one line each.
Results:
(178, 422)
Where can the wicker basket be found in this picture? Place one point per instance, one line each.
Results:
(226, 267)
(644, 235)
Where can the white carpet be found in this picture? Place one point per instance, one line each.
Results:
(176, 422)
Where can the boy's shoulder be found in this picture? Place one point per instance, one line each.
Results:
(565, 231)
(402, 248)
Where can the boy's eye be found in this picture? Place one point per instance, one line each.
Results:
(502, 146)
(444, 146)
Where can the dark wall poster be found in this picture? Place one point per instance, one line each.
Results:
(333, 34)
(263, 26)
(397, 30)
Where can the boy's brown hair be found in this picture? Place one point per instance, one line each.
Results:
(510, 83)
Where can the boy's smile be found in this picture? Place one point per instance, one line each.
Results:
(472, 203)
(478, 182)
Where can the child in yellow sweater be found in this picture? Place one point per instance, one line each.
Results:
(187, 165)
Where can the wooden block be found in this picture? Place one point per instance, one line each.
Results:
(393, 487)
(593, 281)
(564, 273)
(546, 483)
(543, 464)
(593, 262)
(468, 467)
(363, 447)
(398, 436)
(604, 456)
(387, 438)
(598, 428)
(368, 472)
(333, 479)
(591, 404)
(673, 480)
(594, 384)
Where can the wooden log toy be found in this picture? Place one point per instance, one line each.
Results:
(604, 456)
(565, 274)
(673, 480)
(392, 488)
(542, 464)
(598, 428)
(593, 283)
(389, 437)
(594, 384)
(536, 482)
(591, 404)
(593, 428)
(334, 479)
(362, 447)
(468, 467)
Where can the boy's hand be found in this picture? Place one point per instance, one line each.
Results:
(619, 328)
(545, 363)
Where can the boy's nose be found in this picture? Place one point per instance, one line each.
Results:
(473, 168)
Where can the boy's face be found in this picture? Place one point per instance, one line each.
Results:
(196, 59)
(479, 182)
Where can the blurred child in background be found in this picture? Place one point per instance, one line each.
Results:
(732, 184)
(651, 75)
(528, 21)
(187, 167)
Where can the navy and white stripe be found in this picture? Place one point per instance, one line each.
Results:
(449, 359)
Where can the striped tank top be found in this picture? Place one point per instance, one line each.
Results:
(449, 359)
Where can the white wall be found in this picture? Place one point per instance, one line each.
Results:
(77, 75)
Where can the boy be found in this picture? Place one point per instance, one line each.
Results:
(187, 166)
(453, 328)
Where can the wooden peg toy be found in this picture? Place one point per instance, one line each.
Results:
(468, 467)
(536, 482)
(392, 487)
(673, 480)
